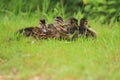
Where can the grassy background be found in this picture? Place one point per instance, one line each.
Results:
(80, 59)
(83, 59)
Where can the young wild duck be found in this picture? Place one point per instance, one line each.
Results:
(85, 30)
(60, 24)
(36, 32)
(41, 31)
(72, 25)
(43, 25)
(27, 32)
(31, 31)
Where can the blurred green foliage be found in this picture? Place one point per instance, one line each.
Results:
(106, 10)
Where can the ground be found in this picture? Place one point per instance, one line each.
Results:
(82, 59)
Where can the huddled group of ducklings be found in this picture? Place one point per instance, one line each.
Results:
(60, 29)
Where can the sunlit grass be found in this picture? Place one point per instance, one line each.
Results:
(82, 59)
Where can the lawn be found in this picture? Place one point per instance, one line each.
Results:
(82, 59)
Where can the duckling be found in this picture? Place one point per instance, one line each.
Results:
(40, 31)
(34, 31)
(25, 31)
(85, 30)
(59, 24)
(72, 25)
(58, 20)
(42, 24)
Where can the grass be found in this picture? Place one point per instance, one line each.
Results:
(83, 59)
